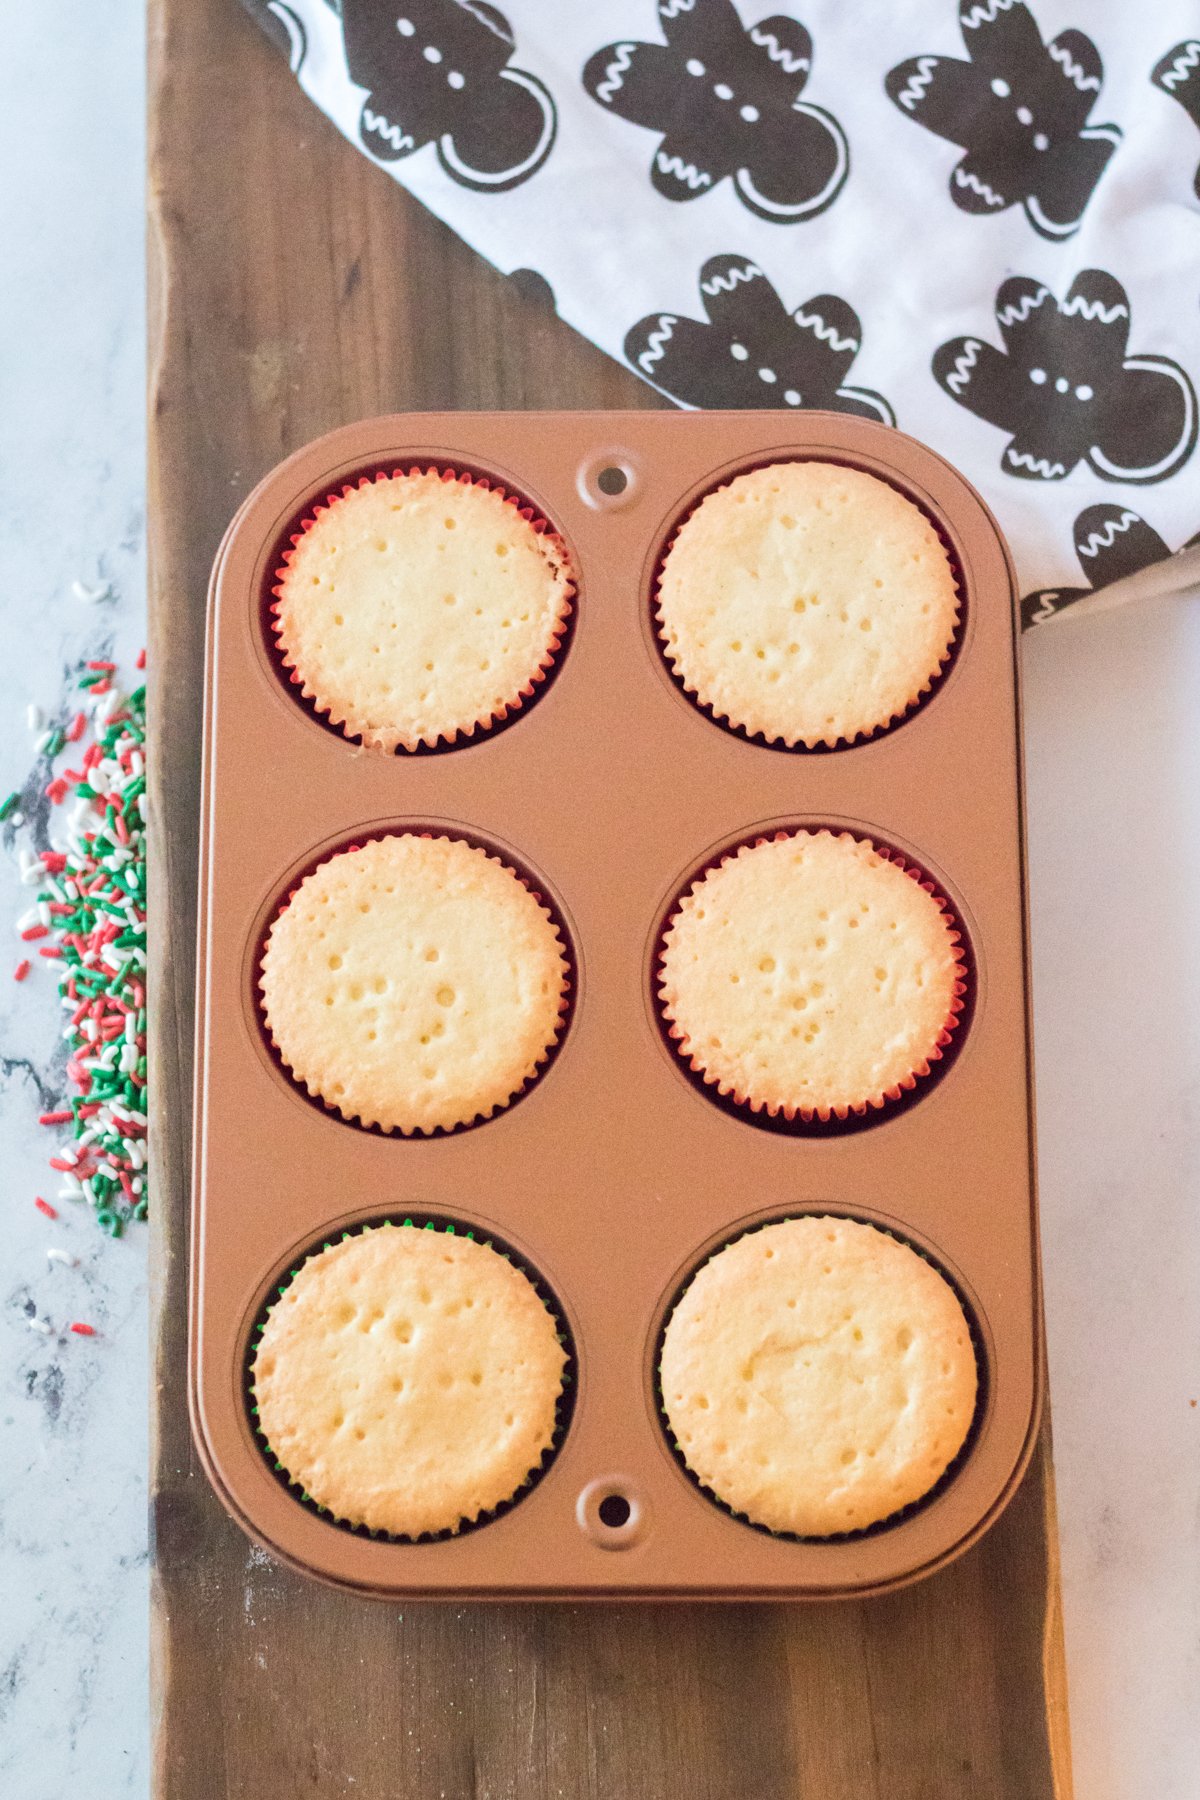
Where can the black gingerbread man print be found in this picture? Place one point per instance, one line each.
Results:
(1110, 542)
(753, 352)
(1018, 109)
(724, 99)
(439, 71)
(1066, 388)
(1178, 74)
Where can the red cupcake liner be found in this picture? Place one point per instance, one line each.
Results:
(566, 1003)
(823, 746)
(451, 476)
(746, 1103)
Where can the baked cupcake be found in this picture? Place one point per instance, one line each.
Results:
(811, 974)
(408, 1380)
(414, 983)
(419, 608)
(818, 1376)
(807, 602)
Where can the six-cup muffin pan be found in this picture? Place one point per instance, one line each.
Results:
(616, 1173)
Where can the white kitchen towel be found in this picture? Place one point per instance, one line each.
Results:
(976, 221)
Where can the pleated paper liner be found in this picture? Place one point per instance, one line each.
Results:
(801, 1121)
(902, 1514)
(532, 689)
(923, 697)
(528, 879)
(563, 1410)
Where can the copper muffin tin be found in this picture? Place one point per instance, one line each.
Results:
(613, 1176)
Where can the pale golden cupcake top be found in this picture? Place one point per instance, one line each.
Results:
(414, 983)
(415, 609)
(818, 1376)
(408, 1379)
(807, 601)
(809, 974)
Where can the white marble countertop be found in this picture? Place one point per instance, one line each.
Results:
(1114, 814)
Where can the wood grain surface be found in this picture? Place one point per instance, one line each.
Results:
(294, 287)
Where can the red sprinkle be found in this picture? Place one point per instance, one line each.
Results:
(32, 932)
(55, 1118)
(82, 1330)
(22, 969)
(57, 791)
(54, 861)
(110, 666)
(44, 1206)
(76, 728)
(141, 660)
(49, 951)
(62, 1165)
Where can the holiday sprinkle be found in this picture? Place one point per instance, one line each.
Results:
(89, 923)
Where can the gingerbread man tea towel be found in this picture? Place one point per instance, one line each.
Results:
(978, 220)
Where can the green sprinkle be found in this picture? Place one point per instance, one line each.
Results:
(9, 805)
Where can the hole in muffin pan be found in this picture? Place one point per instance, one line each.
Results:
(758, 738)
(611, 1512)
(283, 891)
(979, 1341)
(402, 465)
(564, 1408)
(607, 480)
(815, 1127)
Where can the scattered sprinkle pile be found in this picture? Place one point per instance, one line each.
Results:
(89, 920)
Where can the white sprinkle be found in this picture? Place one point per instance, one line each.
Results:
(60, 1256)
(35, 718)
(91, 596)
(41, 1326)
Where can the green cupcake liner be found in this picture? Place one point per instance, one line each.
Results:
(564, 1406)
(902, 1513)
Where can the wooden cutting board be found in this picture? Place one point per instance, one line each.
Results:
(294, 287)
